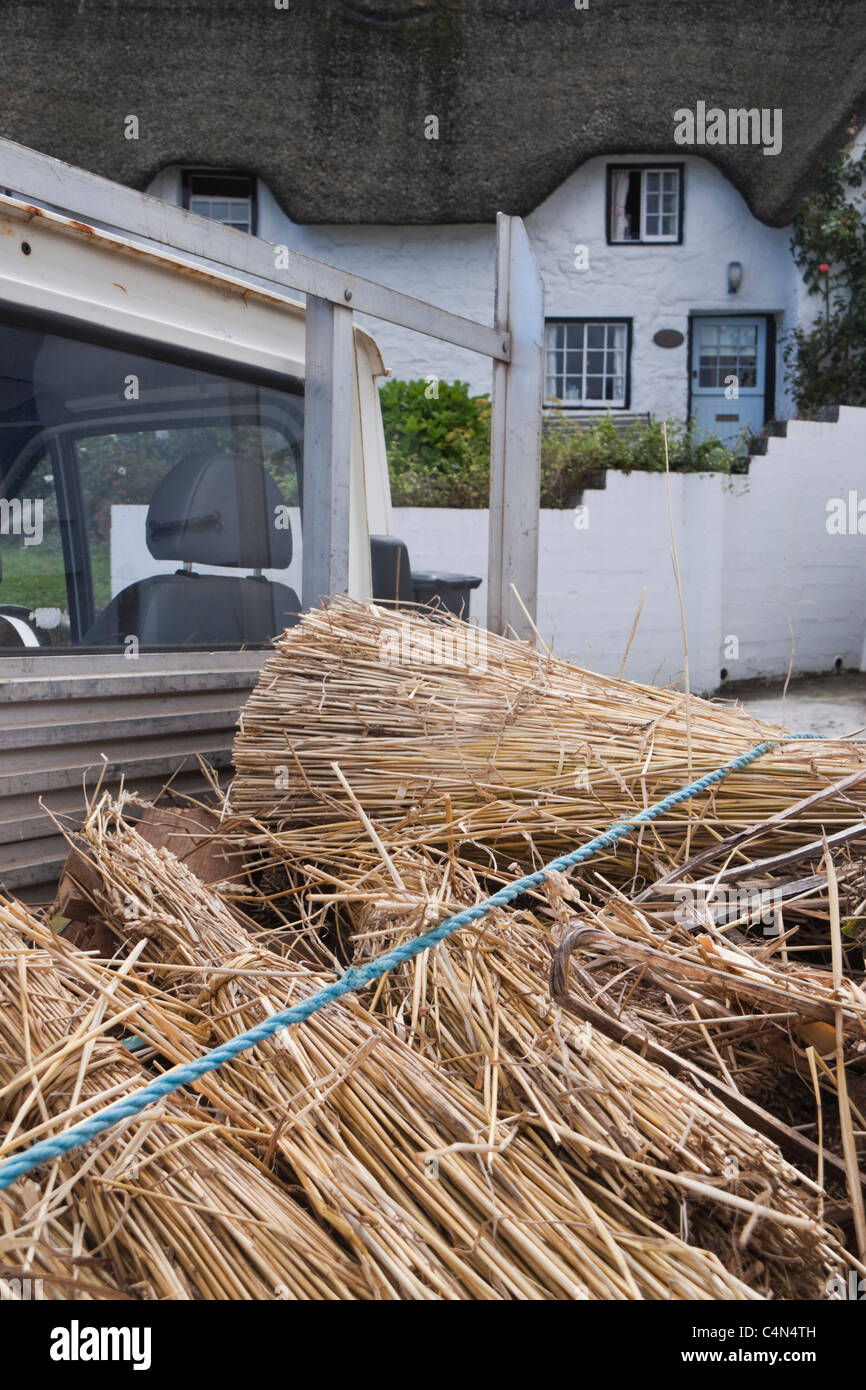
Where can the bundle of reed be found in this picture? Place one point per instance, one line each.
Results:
(480, 1004)
(168, 1201)
(446, 737)
(400, 1156)
(42, 1251)
(346, 1087)
(724, 970)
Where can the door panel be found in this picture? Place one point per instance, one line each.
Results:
(729, 375)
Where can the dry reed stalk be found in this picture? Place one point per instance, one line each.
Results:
(493, 747)
(504, 763)
(175, 1209)
(394, 1153)
(480, 1004)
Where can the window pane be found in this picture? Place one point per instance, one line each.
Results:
(33, 588)
(592, 374)
(173, 500)
(661, 204)
(554, 335)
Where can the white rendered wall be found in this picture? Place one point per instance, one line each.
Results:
(657, 286)
(757, 562)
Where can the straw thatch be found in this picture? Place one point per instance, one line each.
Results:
(166, 1202)
(597, 1093)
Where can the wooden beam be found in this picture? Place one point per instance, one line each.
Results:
(515, 443)
(91, 199)
(329, 390)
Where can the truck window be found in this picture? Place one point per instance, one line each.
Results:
(144, 503)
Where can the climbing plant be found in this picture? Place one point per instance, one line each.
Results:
(827, 360)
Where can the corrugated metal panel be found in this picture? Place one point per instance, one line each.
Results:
(66, 721)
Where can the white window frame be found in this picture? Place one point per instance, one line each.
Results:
(203, 203)
(678, 182)
(646, 238)
(586, 403)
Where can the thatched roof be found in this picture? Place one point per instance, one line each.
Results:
(327, 100)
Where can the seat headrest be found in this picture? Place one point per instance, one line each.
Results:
(219, 509)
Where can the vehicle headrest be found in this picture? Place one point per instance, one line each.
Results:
(219, 509)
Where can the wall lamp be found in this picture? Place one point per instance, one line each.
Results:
(735, 276)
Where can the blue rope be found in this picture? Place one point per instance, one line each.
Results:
(352, 981)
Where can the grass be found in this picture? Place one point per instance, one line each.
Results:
(34, 576)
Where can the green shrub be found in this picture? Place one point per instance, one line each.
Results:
(438, 445)
(439, 449)
(573, 458)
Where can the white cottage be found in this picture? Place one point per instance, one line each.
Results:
(663, 293)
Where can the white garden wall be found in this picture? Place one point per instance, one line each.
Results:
(762, 575)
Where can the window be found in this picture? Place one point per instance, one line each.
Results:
(226, 197)
(728, 349)
(144, 504)
(644, 204)
(587, 363)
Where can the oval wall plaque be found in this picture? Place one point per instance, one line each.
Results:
(668, 337)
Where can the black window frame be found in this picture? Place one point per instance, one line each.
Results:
(187, 175)
(657, 167)
(596, 407)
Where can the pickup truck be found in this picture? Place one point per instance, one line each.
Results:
(153, 413)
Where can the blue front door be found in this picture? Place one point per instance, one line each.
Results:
(729, 375)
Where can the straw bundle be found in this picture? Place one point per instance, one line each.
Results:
(392, 776)
(167, 1201)
(516, 1114)
(500, 752)
(550, 1182)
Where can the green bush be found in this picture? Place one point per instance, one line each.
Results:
(439, 449)
(438, 445)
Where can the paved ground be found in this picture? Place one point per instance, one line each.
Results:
(833, 704)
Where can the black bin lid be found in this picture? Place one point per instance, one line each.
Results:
(443, 579)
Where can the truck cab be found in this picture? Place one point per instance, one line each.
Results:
(151, 448)
(151, 516)
(192, 450)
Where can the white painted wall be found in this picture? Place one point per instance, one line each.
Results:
(756, 559)
(657, 286)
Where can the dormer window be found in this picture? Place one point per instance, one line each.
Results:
(644, 203)
(229, 198)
